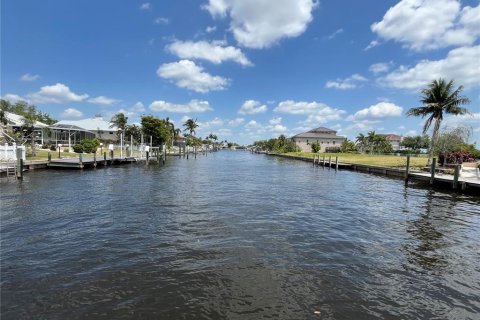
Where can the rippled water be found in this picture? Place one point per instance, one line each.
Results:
(235, 236)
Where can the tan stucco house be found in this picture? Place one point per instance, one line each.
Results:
(327, 138)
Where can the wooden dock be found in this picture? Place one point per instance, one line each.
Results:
(80, 163)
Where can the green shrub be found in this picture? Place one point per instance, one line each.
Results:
(78, 148)
(66, 150)
(53, 148)
(315, 147)
(90, 145)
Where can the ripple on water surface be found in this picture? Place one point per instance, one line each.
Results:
(235, 236)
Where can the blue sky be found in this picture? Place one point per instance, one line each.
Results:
(245, 69)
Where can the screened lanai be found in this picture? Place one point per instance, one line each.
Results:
(68, 135)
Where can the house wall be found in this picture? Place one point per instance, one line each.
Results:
(324, 143)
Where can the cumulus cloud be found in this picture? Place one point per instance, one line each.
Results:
(262, 23)
(252, 107)
(351, 82)
(252, 124)
(215, 51)
(461, 63)
(102, 100)
(146, 6)
(57, 93)
(13, 98)
(161, 20)
(192, 106)
(372, 44)
(380, 67)
(211, 29)
(317, 113)
(72, 113)
(186, 74)
(430, 24)
(236, 122)
(377, 111)
(275, 125)
(29, 77)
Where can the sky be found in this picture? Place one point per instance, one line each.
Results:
(245, 69)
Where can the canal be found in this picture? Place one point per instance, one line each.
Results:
(235, 236)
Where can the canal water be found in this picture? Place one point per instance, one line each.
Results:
(235, 236)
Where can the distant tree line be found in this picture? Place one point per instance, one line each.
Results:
(280, 145)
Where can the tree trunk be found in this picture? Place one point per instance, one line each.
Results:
(33, 143)
(434, 139)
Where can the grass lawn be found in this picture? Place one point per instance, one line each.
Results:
(370, 159)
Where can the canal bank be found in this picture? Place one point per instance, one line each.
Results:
(461, 184)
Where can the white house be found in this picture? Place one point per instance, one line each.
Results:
(327, 138)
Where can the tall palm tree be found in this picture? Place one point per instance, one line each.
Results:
(190, 126)
(362, 141)
(439, 97)
(371, 139)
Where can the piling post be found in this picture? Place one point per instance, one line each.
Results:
(407, 169)
(314, 158)
(329, 161)
(432, 170)
(148, 156)
(164, 155)
(323, 161)
(80, 159)
(49, 156)
(19, 163)
(195, 151)
(105, 158)
(95, 159)
(336, 163)
(456, 174)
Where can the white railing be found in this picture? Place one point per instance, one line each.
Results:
(9, 153)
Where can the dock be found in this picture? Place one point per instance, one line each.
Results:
(468, 183)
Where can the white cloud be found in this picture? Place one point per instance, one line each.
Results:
(336, 33)
(192, 106)
(161, 20)
(224, 132)
(252, 107)
(29, 77)
(377, 111)
(102, 100)
(317, 112)
(236, 122)
(380, 67)
(470, 120)
(430, 24)
(372, 44)
(461, 64)
(13, 98)
(275, 121)
(186, 74)
(411, 133)
(252, 124)
(211, 29)
(262, 23)
(72, 113)
(351, 82)
(215, 52)
(57, 93)
(208, 125)
(146, 6)
(138, 107)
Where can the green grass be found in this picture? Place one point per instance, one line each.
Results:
(388, 161)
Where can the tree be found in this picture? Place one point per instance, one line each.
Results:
(134, 131)
(439, 98)
(190, 126)
(416, 143)
(120, 121)
(362, 141)
(348, 146)
(315, 147)
(28, 126)
(371, 140)
(156, 128)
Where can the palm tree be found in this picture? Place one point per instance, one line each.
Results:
(371, 139)
(190, 126)
(120, 121)
(362, 141)
(439, 98)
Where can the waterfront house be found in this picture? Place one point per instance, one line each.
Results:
(15, 123)
(71, 132)
(394, 140)
(327, 138)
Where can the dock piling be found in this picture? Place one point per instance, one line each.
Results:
(407, 170)
(19, 163)
(49, 156)
(336, 163)
(432, 171)
(105, 158)
(456, 174)
(323, 161)
(329, 161)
